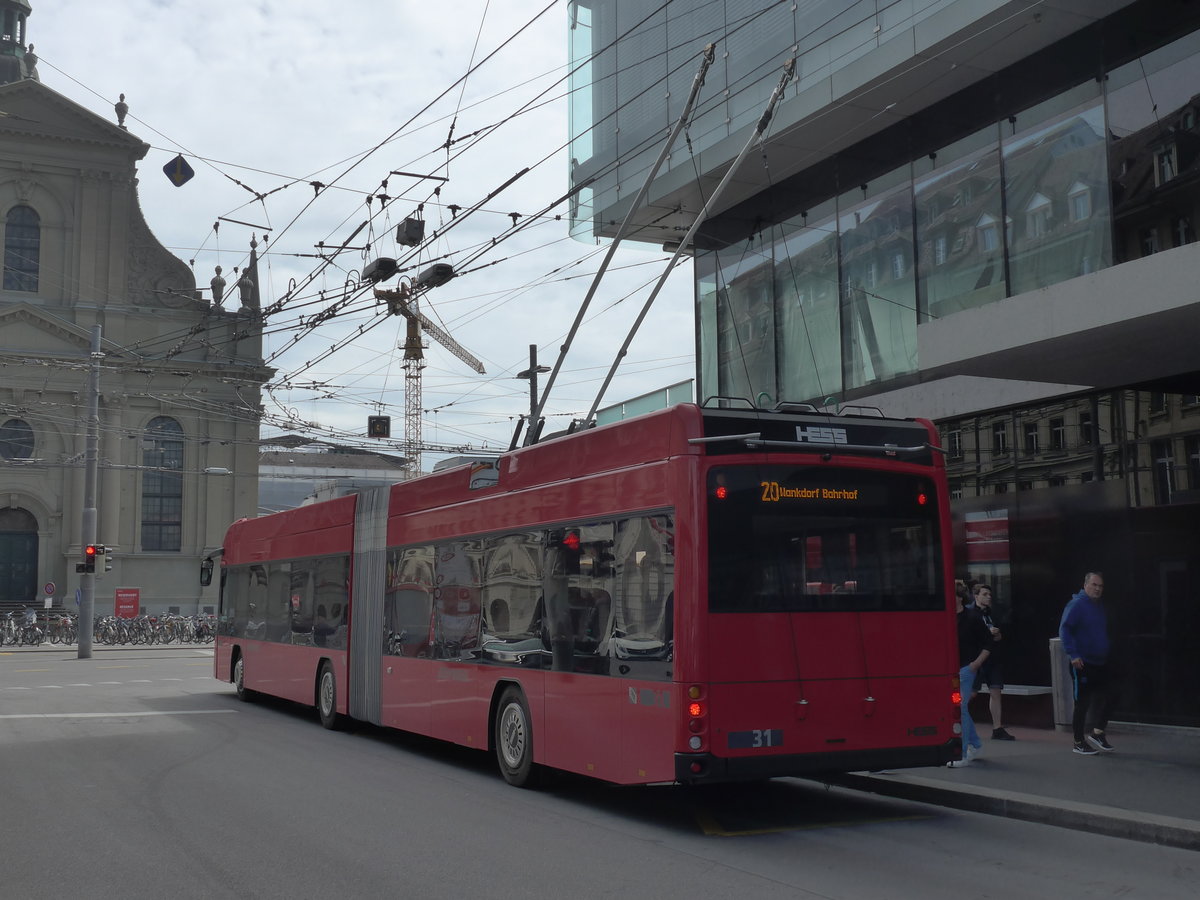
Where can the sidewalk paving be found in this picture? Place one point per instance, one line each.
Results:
(1148, 789)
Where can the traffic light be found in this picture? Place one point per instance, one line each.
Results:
(103, 561)
(89, 558)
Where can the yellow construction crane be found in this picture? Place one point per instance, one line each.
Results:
(403, 302)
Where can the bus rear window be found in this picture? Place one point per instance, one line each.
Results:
(812, 539)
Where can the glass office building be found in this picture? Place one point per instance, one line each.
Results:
(981, 212)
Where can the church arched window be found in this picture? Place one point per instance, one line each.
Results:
(22, 249)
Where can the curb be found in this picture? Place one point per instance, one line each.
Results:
(1146, 827)
(99, 648)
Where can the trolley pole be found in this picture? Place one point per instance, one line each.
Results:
(87, 582)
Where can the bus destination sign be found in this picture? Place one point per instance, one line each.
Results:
(775, 492)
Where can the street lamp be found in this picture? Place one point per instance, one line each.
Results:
(532, 373)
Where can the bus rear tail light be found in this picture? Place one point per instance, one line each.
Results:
(956, 696)
(697, 712)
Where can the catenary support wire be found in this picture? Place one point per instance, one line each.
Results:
(763, 121)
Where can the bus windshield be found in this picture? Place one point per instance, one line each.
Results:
(819, 539)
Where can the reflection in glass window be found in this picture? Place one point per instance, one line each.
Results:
(957, 196)
(879, 324)
(807, 305)
(408, 602)
(244, 602)
(512, 586)
(331, 585)
(1191, 446)
(645, 576)
(1056, 151)
(1164, 165)
(577, 584)
(1058, 434)
(1142, 98)
(1080, 200)
(300, 606)
(456, 611)
(745, 324)
(278, 614)
(1164, 471)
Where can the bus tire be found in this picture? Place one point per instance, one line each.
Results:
(513, 738)
(239, 679)
(327, 698)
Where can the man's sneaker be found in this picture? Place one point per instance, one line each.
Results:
(961, 763)
(1099, 742)
(999, 734)
(1083, 748)
(973, 752)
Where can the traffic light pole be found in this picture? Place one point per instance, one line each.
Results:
(87, 581)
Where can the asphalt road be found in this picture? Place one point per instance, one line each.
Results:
(135, 774)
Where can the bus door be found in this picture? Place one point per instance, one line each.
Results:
(408, 635)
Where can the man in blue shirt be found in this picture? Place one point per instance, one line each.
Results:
(1084, 634)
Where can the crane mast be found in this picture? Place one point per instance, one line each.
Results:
(403, 302)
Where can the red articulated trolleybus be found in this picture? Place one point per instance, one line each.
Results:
(693, 595)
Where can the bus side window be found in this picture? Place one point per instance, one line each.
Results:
(643, 629)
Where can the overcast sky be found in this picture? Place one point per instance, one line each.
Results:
(264, 98)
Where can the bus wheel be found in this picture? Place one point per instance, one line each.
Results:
(514, 738)
(327, 698)
(239, 679)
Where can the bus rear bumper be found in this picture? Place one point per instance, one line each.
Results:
(705, 768)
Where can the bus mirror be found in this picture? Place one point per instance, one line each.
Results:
(206, 570)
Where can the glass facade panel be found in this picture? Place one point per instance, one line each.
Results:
(641, 112)
(807, 307)
(1054, 161)
(706, 326)
(760, 44)
(745, 322)
(957, 205)
(1152, 107)
(879, 308)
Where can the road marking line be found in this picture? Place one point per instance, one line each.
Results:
(119, 715)
(79, 684)
(139, 681)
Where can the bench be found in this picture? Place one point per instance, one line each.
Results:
(1032, 705)
(1020, 690)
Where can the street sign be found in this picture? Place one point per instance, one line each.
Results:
(178, 171)
(126, 602)
(49, 589)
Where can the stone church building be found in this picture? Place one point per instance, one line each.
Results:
(179, 376)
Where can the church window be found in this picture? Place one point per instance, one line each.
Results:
(162, 485)
(16, 440)
(22, 249)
